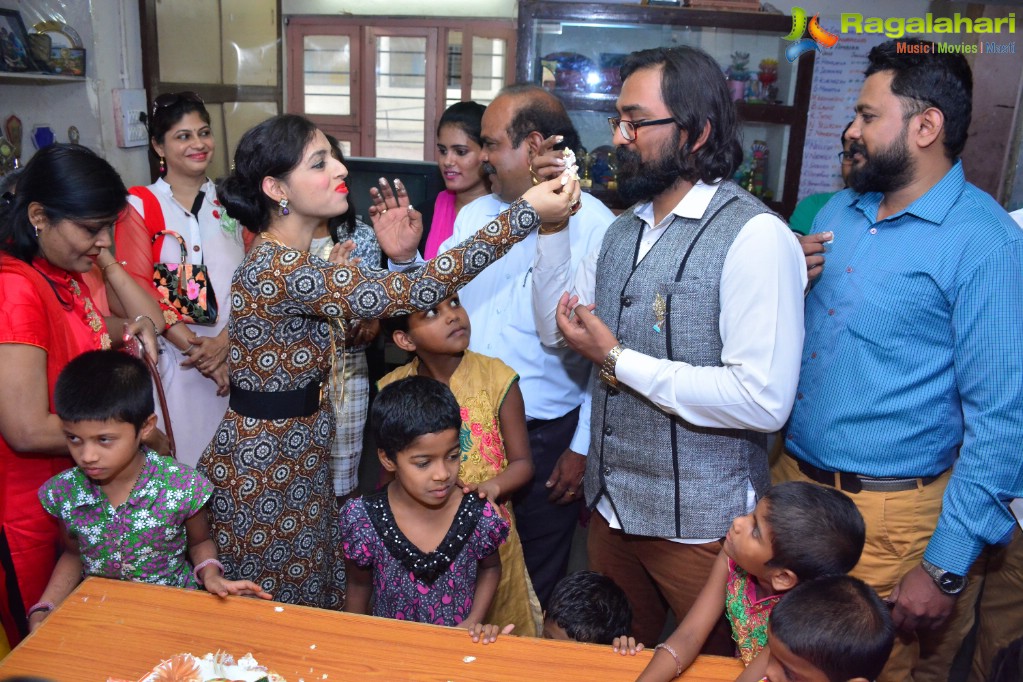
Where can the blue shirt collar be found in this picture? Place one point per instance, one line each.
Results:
(933, 206)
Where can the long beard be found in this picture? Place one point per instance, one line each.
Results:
(642, 181)
(887, 170)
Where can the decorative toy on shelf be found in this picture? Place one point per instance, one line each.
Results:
(13, 130)
(43, 136)
(738, 75)
(767, 76)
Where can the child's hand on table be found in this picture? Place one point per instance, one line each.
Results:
(486, 634)
(218, 585)
(36, 619)
(626, 645)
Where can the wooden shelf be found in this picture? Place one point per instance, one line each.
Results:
(37, 78)
(756, 112)
(587, 28)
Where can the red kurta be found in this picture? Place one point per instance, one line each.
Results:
(32, 314)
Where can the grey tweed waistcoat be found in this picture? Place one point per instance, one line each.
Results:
(664, 476)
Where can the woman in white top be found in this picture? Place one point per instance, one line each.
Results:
(193, 367)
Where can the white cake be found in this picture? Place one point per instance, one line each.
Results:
(570, 163)
(209, 668)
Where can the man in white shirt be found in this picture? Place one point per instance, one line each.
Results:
(553, 380)
(695, 338)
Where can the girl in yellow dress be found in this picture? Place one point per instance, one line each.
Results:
(495, 446)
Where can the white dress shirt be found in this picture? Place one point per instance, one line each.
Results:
(761, 324)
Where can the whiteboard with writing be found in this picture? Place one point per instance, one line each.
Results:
(837, 78)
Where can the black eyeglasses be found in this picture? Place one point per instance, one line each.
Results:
(169, 99)
(628, 128)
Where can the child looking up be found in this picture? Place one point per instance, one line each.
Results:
(421, 548)
(126, 513)
(494, 443)
(833, 629)
(798, 531)
(587, 606)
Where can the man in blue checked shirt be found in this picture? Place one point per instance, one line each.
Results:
(910, 395)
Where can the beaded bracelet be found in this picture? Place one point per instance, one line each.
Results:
(204, 564)
(156, 330)
(41, 606)
(674, 654)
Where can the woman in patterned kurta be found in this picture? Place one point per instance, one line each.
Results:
(273, 513)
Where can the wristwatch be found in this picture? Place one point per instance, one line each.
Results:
(607, 368)
(948, 583)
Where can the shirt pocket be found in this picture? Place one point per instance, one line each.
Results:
(892, 308)
(685, 287)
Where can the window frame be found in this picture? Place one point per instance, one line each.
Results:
(360, 127)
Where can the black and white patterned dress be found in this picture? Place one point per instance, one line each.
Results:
(273, 513)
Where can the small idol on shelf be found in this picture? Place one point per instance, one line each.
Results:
(758, 165)
(585, 163)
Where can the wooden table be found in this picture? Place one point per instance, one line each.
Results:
(111, 628)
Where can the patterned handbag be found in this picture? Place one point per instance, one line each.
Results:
(186, 286)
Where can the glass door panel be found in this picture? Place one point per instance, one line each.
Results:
(327, 75)
(401, 96)
(489, 65)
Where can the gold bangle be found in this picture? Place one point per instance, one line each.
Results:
(607, 368)
(122, 263)
(552, 228)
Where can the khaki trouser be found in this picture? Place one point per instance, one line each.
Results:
(899, 526)
(1000, 612)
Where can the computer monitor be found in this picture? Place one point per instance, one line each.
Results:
(422, 180)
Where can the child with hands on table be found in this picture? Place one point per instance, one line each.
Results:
(495, 457)
(126, 513)
(797, 532)
(420, 547)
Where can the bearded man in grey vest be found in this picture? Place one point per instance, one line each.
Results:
(692, 313)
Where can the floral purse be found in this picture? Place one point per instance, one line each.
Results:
(186, 286)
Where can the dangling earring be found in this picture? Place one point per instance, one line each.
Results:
(283, 203)
(163, 166)
(37, 230)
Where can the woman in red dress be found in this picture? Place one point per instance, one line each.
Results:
(55, 227)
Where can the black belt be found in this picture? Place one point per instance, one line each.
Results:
(855, 483)
(301, 402)
(534, 424)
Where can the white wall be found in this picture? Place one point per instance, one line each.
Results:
(502, 9)
(109, 30)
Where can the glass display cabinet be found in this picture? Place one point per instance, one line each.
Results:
(575, 49)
